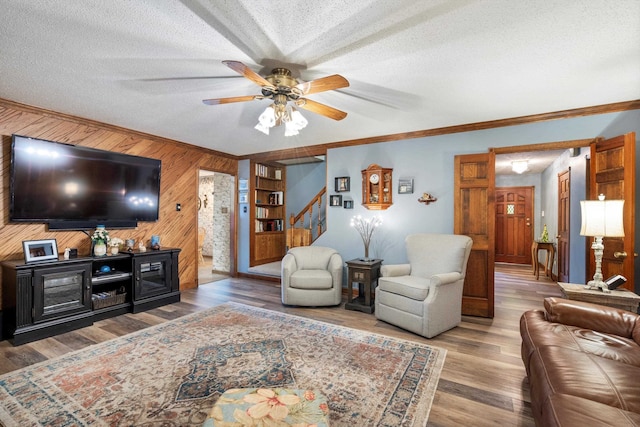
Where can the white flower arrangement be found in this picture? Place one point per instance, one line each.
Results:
(366, 227)
(100, 236)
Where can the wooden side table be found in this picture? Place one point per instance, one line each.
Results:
(623, 299)
(365, 274)
(551, 256)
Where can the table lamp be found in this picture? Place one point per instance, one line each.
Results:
(601, 218)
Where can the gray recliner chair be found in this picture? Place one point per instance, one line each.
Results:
(312, 276)
(424, 296)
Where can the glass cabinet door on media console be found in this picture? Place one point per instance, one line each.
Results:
(61, 291)
(153, 275)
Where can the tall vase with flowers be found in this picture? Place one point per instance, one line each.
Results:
(99, 240)
(366, 227)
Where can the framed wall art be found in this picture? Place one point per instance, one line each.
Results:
(40, 250)
(342, 184)
(405, 186)
(348, 204)
(335, 200)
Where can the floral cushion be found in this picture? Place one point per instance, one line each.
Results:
(269, 407)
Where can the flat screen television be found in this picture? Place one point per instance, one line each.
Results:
(71, 187)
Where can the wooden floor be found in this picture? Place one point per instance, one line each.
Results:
(206, 272)
(483, 382)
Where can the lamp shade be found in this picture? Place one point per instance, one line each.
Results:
(602, 218)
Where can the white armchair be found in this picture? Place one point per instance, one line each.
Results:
(312, 276)
(424, 296)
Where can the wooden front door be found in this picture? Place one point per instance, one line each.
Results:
(564, 187)
(474, 216)
(613, 174)
(514, 234)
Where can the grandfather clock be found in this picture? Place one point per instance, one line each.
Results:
(376, 187)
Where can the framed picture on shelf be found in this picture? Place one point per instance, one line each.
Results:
(342, 184)
(348, 204)
(335, 200)
(405, 186)
(40, 250)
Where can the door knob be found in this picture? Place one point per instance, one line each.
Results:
(622, 254)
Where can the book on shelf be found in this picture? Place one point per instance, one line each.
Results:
(263, 171)
(270, 225)
(276, 198)
(262, 212)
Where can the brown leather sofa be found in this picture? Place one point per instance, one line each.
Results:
(583, 364)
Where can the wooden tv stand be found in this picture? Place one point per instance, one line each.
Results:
(40, 300)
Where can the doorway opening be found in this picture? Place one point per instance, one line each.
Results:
(551, 205)
(216, 225)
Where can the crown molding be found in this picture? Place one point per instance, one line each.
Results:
(321, 149)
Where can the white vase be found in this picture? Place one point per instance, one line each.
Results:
(100, 249)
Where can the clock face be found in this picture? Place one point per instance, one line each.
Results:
(374, 178)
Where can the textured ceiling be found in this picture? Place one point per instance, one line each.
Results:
(412, 65)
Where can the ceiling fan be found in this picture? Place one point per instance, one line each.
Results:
(282, 87)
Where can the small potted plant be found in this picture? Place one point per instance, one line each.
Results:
(115, 245)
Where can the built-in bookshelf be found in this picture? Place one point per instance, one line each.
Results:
(268, 212)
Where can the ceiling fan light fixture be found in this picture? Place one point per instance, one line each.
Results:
(282, 88)
(268, 117)
(277, 114)
(298, 119)
(262, 128)
(290, 129)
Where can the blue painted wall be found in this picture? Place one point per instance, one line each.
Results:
(303, 182)
(243, 222)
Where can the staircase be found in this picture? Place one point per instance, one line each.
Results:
(309, 224)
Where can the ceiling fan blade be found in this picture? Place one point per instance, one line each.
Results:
(218, 101)
(240, 68)
(319, 108)
(335, 81)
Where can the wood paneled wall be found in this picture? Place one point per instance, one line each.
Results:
(179, 181)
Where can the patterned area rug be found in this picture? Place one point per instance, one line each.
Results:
(172, 374)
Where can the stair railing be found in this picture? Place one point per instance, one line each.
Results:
(313, 220)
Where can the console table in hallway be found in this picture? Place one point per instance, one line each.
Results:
(550, 248)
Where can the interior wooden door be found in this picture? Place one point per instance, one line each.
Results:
(564, 211)
(514, 215)
(474, 216)
(612, 173)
